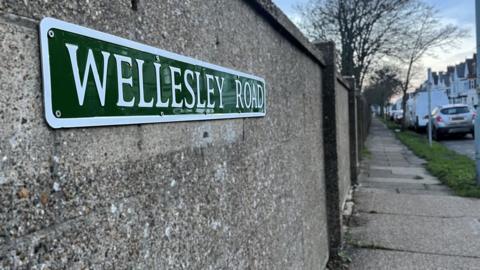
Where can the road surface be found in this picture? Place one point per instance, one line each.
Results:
(464, 146)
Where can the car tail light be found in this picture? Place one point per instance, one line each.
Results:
(474, 115)
(438, 118)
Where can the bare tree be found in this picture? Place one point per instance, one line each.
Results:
(384, 83)
(363, 30)
(425, 33)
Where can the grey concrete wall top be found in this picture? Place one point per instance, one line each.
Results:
(278, 18)
(235, 194)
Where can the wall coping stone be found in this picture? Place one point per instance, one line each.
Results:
(286, 27)
(289, 29)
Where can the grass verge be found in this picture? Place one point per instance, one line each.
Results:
(455, 170)
(366, 153)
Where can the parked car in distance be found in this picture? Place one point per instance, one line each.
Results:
(452, 119)
(396, 112)
(398, 116)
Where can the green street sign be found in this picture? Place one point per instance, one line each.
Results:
(92, 78)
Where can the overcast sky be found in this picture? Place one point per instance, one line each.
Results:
(458, 12)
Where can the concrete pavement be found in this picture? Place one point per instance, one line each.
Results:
(405, 218)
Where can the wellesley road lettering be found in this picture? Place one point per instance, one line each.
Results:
(92, 78)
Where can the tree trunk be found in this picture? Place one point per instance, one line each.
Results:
(404, 91)
(404, 107)
(347, 62)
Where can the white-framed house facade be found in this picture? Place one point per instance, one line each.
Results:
(464, 83)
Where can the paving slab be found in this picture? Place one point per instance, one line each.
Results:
(368, 259)
(445, 236)
(415, 161)
(398, 163)
(405, 218)
(419, 190)
(393, 148)
(387, 185)
(378, 186)
(381, 162)
(424, 205)
(402, 170)
(395, 155)
(430, 181)
(425, 192)
(388, 173)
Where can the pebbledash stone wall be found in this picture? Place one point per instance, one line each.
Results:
(225, 194)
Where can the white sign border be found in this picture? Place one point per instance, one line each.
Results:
(47, 23)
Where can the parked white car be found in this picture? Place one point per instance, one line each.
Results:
(398, 116)
(452, 119)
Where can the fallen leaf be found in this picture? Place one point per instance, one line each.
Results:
(44, 198)
(23, 193)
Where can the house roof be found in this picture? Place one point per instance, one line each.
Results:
(435, 78)
(445, 78)
(461, 70)
(450, 69)
(471, 63)
(449, 74)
